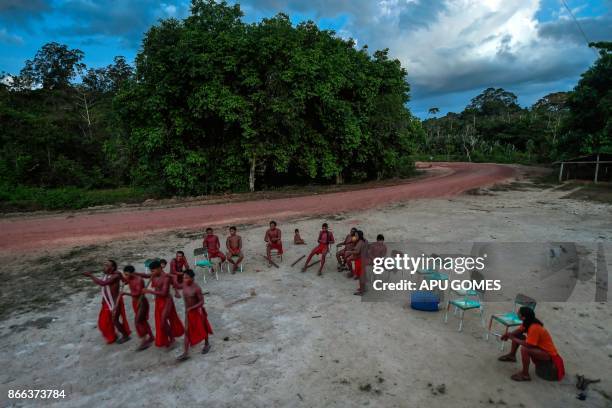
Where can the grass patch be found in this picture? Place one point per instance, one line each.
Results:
(20, 198)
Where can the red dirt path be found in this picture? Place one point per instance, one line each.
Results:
(55, 231)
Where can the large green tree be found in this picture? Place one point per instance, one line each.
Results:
(219, 104)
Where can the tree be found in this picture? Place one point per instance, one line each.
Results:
(222, 105)
(433, 111)
(53, 66)
(589, 125)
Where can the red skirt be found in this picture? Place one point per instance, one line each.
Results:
(176, 326)
(321, 249)
(198, 326)
(278, 246)
(358, 269)
(105, 321)
(142, 328)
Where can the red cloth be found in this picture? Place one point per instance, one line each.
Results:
(358, 270)
(558, 362)
(198, 326)
(142, 328)
(320, 249)
(105, 321)
(176, 326)
(215, 253)
(277, 245)
(234, 251)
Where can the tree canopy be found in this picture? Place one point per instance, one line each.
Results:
(218, 102)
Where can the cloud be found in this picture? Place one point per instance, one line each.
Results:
(21, 13)
(595, 28)
(8, 38)
(124, 20)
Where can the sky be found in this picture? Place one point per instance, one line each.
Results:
(452, 49)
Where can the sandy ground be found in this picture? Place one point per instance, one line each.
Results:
(304, 340)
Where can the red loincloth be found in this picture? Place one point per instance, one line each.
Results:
(105, 321)
(176, 326)
(215, 253)
(277, 245)
(142, 328)
(357, 270)
(234, 252)
(198, 327)
(320, 249)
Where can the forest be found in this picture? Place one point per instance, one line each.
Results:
(213, 104)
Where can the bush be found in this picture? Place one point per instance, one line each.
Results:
(21, 198)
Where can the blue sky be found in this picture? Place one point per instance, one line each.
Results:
(452, 49)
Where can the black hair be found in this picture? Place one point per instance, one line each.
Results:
(189, 272)
(380, 237)
(129, 269)
(163, 261)
(529, 316)
(297, 230)
(360, 234)
(232, 228)
(273, 222)
(353, 230)
(324, 225)
(208, 229)
(155, 265)
(113, 263)
(180, 252)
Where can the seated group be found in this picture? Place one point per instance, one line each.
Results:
(533, 339)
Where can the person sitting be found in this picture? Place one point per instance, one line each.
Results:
(297, 240)
(536, 345)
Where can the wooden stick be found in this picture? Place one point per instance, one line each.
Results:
(270, 261)
(313, 263)
(298, 260)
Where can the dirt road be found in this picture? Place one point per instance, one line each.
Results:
(34, 233)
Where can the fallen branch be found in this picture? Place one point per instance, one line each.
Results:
(298, 260)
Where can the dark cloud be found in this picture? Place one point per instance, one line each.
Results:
(420, 14)
(21, 13)
(595, 28)
(480, 74)
(124, 20)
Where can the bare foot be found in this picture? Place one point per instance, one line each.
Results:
(182, 357)
(520, 377)
(145, 344)
(123, 339)
(206, 349)
(507, 358)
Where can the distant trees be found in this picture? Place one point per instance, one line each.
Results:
(493, 127)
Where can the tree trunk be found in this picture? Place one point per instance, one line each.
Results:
(252, 175)
(339, 178)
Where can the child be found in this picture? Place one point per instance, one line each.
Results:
(297, 240)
